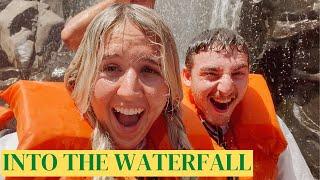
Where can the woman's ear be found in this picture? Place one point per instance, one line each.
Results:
(186, 76)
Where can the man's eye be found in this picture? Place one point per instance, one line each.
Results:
(239, 73)
(149, 70)
(210, 74)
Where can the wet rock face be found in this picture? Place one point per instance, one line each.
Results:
(292, 68)
(30, 38)
(4, 3)
(16, 22)
(71, 8)
(285, 48)
(4, 62)
(30, 33)
(253, 27)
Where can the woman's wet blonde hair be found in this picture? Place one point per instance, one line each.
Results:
(84, 68)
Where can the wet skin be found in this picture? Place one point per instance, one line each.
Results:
(130, 92)
(218, 82)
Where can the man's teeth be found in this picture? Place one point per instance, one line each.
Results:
(223, 100)
(129, 111)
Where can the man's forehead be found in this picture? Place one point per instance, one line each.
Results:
(205, 62)
(215, 57)
(221, 53)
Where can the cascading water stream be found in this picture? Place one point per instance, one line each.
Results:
(226, 13)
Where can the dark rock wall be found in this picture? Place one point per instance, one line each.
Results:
(283, 37)
(30, 43)
(30, 33)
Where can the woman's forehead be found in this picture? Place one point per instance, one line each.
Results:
(126, 37)
(128, 40)
(127, 30)
(131, 32)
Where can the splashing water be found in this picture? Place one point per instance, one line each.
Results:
(226, 13)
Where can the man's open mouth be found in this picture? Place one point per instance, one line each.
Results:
(221, 105)
(128, 117)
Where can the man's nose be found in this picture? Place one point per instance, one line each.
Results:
(130, 86)
(226, 85)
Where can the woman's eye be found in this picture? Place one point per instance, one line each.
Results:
(112, 72)
(110, 68)
(149, 70)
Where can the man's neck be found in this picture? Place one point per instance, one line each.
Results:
(224, 127)
(216, 132)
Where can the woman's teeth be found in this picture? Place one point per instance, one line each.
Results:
(128, 116)
(129, 111)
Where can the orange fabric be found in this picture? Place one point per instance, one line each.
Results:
(46, 116)
(253, 126)
(48, 119)
(5, 115)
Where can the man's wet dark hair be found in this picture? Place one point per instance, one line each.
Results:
(215, 40)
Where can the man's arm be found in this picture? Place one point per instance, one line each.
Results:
(75, 28)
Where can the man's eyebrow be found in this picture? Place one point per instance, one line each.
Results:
(240, 66)
(209, 69)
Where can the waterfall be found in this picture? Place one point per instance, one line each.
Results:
(226, 13)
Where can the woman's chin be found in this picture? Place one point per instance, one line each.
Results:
(127, 145)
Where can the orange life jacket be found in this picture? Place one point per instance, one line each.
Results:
(5, 115)
(47, 119)
(52, 98)
(253, 126)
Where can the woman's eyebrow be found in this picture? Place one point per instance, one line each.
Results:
(110, 56)
(155, 60)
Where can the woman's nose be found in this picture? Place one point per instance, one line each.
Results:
(130, 86)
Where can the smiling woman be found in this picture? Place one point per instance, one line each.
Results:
(130, 91)
(125, 77)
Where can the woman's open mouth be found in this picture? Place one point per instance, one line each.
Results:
(128, 117)
(222, 106)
